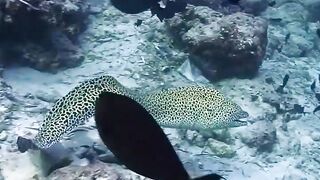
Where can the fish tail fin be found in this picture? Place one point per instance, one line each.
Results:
(210, 177)
(25, 144)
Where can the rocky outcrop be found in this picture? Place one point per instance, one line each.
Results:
(42, 34)
(221, 46)
(94, 171)
(260, 135)
(254, 7)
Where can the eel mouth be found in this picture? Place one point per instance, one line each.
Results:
(242, 122)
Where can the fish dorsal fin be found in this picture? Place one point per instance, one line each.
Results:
(135, 138)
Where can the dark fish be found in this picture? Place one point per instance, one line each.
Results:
(287, 37)
(284, 83)
(285, 80)
(136, 139)
(318, 96)
(138, 22)
(318, 32)
(275, 20)
(236, 2)
(138, 6)
(313, 86)
(272, 3)
(50, 159)
(169, 11)
(316, 109)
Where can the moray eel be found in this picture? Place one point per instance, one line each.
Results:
(194, 108)
(185, 107)
(75, 109)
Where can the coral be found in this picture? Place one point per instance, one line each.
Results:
(42, 34)
(221, 46)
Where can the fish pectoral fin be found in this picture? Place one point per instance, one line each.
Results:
(209, 177)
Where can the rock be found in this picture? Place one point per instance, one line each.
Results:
(44, 96)
(294, 176)
(287, 13)
(315, 136)
(97, 171)
(52, 158)
(260, 135)
(254, 7)
(221, 46)
(221, 149)
(3, 136)
(313, 8)
(222, 135)
(299, 43)
(222, 6)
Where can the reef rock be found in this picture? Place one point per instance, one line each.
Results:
(42, 34)
(221, 46)
(97, 170)
(222, 6)
(313, 7)
(261, 135)
(254, 7)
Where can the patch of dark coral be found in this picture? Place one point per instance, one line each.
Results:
(43, 34)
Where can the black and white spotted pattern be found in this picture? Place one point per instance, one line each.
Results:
(75, 109)
(193, 107)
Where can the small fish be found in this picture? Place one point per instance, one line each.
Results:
(138, 6)
(136, 139)
(287, 37)
(313, 86)
(318, 32)
(172, 7)
(275, 20)
(316, 109)
(272, 3)
(235, 2)
(138, 22)
(285, 80)
(317, 96)
(284, 83)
